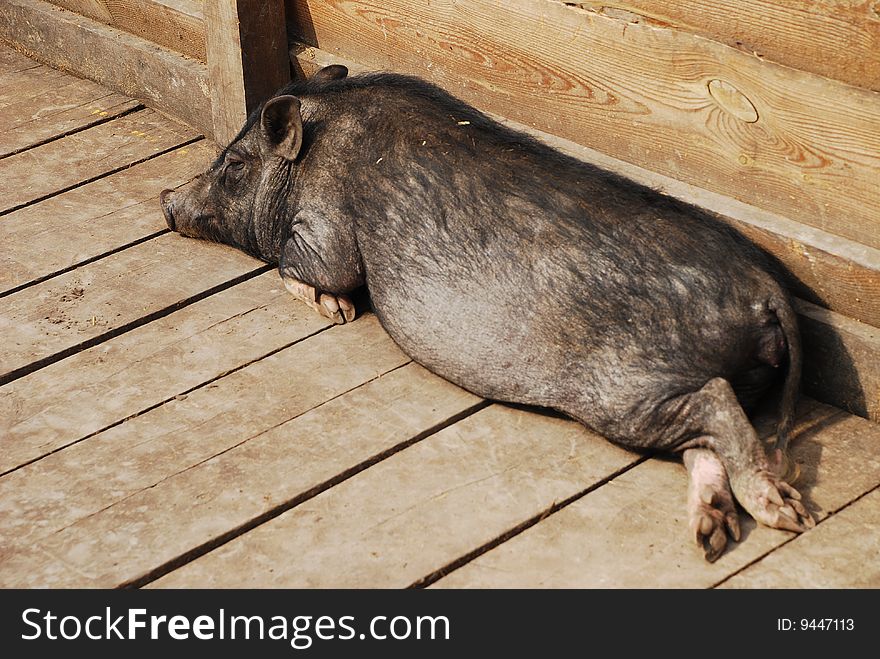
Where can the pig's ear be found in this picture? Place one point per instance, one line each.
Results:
(282, 126)
(332, 72)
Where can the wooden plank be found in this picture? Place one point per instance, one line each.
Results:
(136, 371)
(828, 270)
(839, 40)
(175, 24)
(120, 61)
(843, 552)
(46, 496)
(44, 323)
(93, 219)
(39, 104)
(633, 531)
(842, 360)
(61, 164)
(642, 95)
(247, 59)
(13, 62)
(418, 510)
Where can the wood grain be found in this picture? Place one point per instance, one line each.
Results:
(93, 219)
(128, 374)
(40, 103)
(60, 164)
(632, 532)
(247, 59)
(839, 40)
(45, 321)
(178, 24)
(405, 517)
(48, 495)
(13, 62)
(122, 62)
(843, 552)
(637, 92)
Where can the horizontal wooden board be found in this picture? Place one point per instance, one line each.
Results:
(656, 97)
(43, 323)
(841, 360)
(63, 163)
(93, 219)
(39, 104)
(843, 552)
(131, 373)
(123, 62)
(419, 510)
(12, 61)
(175, 24)
(46, 496)
(839, 40)
(632, 532)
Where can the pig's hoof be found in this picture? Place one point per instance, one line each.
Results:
(337, 308)
(773, 502)
(712, 516)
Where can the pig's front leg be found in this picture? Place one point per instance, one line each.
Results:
(338, 308)
(712, 513)
(320, 267)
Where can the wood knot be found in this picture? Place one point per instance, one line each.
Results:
(733, 101)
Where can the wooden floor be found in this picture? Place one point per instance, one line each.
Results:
(170, 417)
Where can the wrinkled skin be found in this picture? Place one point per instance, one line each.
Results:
(518, 273)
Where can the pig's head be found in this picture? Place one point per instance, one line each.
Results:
(242, 199)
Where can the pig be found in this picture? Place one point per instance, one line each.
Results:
(521, 274)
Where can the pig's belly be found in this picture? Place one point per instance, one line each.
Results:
(495, 348)
(507, 345)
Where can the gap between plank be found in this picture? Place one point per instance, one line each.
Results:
(280, 509)
(79, 264)
(794, 537)
(438, 574)
(98, 177)
(27, 369)
(435, 576)
(152, 407)
(72, 131)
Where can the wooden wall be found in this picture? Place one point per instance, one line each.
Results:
(695, 109)
(175, 24)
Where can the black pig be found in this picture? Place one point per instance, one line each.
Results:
(518, 273)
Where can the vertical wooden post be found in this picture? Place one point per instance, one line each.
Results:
(247, 59)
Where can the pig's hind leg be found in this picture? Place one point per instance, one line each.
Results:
(712, 418)
(712, 513)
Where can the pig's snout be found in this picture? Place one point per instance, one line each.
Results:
(167, 211)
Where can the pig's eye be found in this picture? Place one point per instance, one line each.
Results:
(232, 170)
